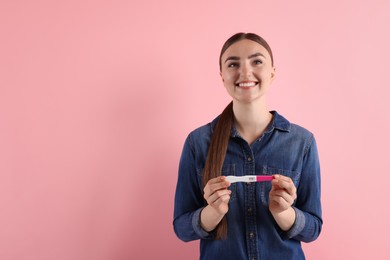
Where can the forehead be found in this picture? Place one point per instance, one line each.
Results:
(245, 48)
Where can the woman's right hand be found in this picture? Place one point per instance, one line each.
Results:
(217, 194)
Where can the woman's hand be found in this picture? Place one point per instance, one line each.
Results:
(217, 195)
(281, 198)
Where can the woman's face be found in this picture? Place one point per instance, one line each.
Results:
(246, 71)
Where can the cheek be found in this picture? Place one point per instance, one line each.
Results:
(228, 77)
(265, 75)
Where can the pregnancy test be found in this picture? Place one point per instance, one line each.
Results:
(249, 178)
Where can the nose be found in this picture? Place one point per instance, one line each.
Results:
(245, 70)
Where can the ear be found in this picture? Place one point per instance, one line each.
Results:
(273, 73)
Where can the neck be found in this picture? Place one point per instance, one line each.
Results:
(251, 119)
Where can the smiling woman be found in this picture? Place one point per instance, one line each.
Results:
(248, 221)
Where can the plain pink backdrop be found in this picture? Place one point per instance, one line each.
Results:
(97, 97)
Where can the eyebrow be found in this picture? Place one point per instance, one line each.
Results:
(249, 57)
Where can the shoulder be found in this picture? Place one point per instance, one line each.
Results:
(300, 131)
(203, 133)
(294, 130)
(198, 140)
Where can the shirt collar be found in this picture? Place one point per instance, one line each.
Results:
(278, 122)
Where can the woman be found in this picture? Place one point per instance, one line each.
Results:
(261, 220)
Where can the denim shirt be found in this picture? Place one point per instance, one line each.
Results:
(284, 148)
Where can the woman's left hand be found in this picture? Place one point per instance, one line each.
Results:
(282, 194)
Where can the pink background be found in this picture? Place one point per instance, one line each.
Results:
(97, 97)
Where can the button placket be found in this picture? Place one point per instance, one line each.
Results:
(250, 203)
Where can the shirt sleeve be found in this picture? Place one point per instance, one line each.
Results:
(189, 200)
(308, 222)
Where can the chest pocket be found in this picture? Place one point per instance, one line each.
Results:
(265, 187)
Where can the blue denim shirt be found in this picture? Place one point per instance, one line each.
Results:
(285, 149)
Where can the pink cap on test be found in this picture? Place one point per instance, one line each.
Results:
(264, 178)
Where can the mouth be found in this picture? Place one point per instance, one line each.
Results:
(247, 85)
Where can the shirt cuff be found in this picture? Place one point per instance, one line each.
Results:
(203, 234)
(298, 225)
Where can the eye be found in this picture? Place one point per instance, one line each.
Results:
(258, 62)
(233, 65)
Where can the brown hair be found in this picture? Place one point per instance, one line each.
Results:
(241, 36)
(220, 138)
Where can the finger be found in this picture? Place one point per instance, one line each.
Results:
(216, 184)
(222, 204)
(282, 194)
(286, 183)
(217, 195)
(209, 191)
(282, 204)
(281, 180)
(223, 184)
(280, 201)
(222, 201)
(216, 179)
(282, 177)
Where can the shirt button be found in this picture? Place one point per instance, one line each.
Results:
(251, 235)
(249, 159)
(249, 209)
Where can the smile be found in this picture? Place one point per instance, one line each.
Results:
(246, 84)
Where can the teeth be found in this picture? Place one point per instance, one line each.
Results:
(246, 84)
